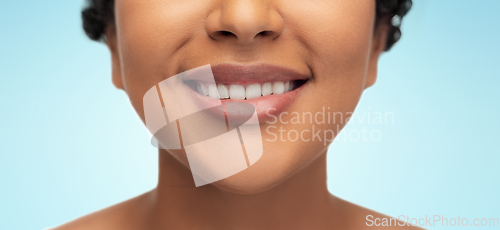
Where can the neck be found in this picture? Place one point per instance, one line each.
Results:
(178, 203)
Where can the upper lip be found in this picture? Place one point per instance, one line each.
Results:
(232, 73)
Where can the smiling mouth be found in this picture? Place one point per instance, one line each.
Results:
(270, 89)
(243, 83)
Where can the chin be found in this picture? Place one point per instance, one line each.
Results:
(253, 180)
(274, 169)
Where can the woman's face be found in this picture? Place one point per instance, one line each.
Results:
(333, 44)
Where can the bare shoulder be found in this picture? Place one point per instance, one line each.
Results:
(357, 217)
(133, 211)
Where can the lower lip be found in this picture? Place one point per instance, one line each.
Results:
(267, 107)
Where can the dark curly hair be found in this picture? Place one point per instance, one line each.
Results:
(98, 13)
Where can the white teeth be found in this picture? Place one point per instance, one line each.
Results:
(223, 91)
(202, 89)
(267, 89)
(278, 87)
(253, 91)
(212, 91)
(287, 86)
(198, 89)
(237, 92)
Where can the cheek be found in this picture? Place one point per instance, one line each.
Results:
(337, 35)
(149, 34)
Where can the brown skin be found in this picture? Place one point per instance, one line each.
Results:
(336, 41)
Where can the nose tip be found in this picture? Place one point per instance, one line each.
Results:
(244, 22)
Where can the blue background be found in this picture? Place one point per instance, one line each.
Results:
(71, 144)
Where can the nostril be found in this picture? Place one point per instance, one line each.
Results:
(226, 33)
(266, 33)
(222, 34)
